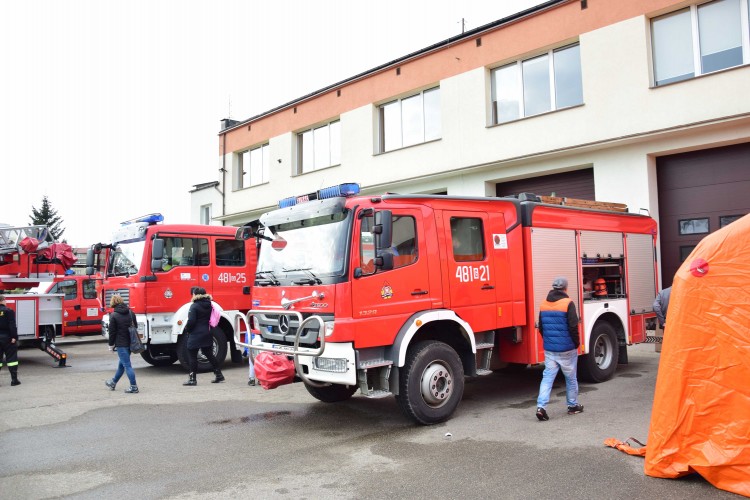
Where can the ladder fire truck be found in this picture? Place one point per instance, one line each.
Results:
(405, 295)
(154, 266)
(39, 317)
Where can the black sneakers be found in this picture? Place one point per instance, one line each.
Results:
(133, 389)
(110, 383)
(541, 414)
(572, 410)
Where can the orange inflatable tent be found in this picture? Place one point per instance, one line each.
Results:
(700, 420)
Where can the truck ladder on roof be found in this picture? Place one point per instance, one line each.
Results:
(10, 237)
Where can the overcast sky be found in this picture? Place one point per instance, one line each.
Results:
(112, 109)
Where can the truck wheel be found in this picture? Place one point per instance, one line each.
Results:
(601, 361)
(166, 359)
(333, 393)
(219, 348)
(431, 382)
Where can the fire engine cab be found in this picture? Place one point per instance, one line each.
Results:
(154, 266)
(405, 295)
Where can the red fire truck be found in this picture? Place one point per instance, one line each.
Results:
(154, 266)
(405, 295)
(39, 317)
(82, 308)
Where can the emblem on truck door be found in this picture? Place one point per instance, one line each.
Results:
(386, 292)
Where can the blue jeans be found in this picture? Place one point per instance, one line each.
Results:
(553, 361)
(124, 365)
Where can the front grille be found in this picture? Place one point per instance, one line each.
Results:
(123, 292)
(272, 326)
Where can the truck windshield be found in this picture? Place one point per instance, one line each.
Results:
(126, 258)
(314, 248)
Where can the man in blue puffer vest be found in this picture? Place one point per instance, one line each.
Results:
(558, 325)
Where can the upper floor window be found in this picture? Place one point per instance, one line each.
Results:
(537, 85)
(253, 167)
(319, 147)
(700, 39)
(412, 120)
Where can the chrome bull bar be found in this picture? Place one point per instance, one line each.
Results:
(239, 317)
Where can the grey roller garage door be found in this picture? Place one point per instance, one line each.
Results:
(699, 192)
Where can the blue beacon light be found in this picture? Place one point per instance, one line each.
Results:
(346, 190)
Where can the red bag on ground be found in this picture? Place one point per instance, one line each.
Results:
(273, 370)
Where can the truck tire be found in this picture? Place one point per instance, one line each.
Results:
(600, 363)
(431, 382)
(333, 393)
(166, 359)
(219, 347)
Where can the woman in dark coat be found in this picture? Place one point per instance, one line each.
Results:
(199, 335)
(119, 341)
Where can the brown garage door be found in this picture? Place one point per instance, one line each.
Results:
(699, 192)
(578, 184)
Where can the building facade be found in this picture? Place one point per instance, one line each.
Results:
(644, 102)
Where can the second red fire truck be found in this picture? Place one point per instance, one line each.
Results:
(154, 266)
(405, 295)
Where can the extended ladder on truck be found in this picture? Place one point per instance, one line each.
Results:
(38, 316)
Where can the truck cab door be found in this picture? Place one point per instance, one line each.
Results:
(383, 299)
(71, 304)
(470, 267)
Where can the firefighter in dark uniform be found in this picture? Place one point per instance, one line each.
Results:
(9, 341)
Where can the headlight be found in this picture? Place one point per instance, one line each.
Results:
(328, 328)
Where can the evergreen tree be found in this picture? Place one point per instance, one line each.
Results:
(47, 216)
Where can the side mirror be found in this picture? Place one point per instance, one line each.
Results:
(383, 229)
(384, 261)
(244, 233)
(157, 254)
(89, 262)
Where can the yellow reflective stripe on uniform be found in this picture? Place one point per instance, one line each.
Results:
(12, 363)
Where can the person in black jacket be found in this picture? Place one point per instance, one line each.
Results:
(9, 341)
(119, 340)
(199, 335)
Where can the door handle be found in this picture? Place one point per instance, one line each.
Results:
(419, 292)
(488, 287)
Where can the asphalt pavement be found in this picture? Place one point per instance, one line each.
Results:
(63, 434)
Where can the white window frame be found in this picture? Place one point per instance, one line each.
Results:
(205, 214)
(519, 74)
(381, 121)
(243, 178)
(695, 32)
(333, 160)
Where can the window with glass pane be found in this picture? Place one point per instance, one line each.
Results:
(568, 85)
(412, 120)
(254, 167)
(715, 29)
(506, 92)
(468, 242)
(536, 94)
(319, 148)
(720, 35)
(537, 85)
(673, 47)
(89, 289)
(205, 214)
(404, 242)
(230, 253)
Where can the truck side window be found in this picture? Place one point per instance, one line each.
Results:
(367, 246)
(230, 253)
(404, 243)
(184, 252)
(89, 289)
(66, 287)
(468, 241)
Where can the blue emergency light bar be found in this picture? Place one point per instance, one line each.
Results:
(347, 189)
(150, 218)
